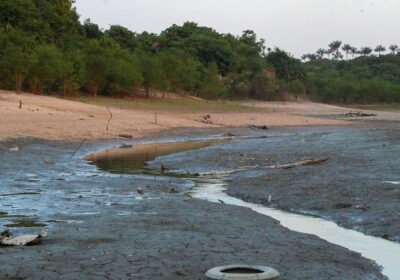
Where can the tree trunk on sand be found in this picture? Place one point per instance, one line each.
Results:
(147, 90)
(18, 82)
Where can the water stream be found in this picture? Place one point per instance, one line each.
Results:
(132, 160)
(385, 253)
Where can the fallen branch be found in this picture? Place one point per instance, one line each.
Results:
(111, 116)
(300, 163)
(77, 149)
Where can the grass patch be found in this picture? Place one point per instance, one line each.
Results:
(392, 107)
(186, 105)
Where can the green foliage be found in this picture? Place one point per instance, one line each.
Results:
(44, 48)
(363, 80)
(46, 68)
(211, 85)
(287, 67)
(90, 30)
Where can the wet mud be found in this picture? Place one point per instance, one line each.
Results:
(101, 227)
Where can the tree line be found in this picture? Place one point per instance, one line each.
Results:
(336, 49)
(365, 77)
(45, 49)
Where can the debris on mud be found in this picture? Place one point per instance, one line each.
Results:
(7, 238)
(301, 163)
(127, 136)
(263, 127)
(173, 190)
(14, 149)
(359, 114)
(206, 119)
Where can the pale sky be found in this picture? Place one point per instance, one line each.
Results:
(298, 26)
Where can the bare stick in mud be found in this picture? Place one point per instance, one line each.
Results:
(78, 148)
(20, 104)
(301, 163)
(109, 120)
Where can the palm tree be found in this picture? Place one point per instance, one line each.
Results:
(347, 48)
(365, 51)
(312, 56)
(309, 56)
(379, 49)
(393, 48)
(334, 48)
(320, 53)
(354, 51)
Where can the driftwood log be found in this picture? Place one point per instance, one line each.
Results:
(359, 114)
(301, 163)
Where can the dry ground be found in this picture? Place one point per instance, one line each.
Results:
(53, 118)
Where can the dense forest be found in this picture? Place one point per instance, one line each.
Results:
(45, 49)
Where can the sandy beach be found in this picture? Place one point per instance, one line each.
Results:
(59, 119)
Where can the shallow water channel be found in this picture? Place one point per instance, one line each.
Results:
(132, 159)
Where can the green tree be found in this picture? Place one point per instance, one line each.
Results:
(123, 36)
(47, 63)
(72, 72)
(393, 48)
(153, 76)
(354, 51)
(212, 85)
(320, 53)
(286, 67)
(15, 49)
(365, 51)
(334, 49)
(91, 30)
(347, 49)
(380, 49)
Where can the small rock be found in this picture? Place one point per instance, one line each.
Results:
(140, 191)
(385, 236)
(172, 190)
(48, 161)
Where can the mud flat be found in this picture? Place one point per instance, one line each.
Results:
(101, 228)
(356, 188)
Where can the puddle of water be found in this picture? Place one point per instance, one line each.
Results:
(132, 159)
(385, 253)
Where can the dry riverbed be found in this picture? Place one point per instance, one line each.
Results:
(101, 228)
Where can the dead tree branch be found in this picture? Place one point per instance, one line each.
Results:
(109, 120)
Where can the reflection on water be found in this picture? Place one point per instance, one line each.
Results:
(132, 159)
